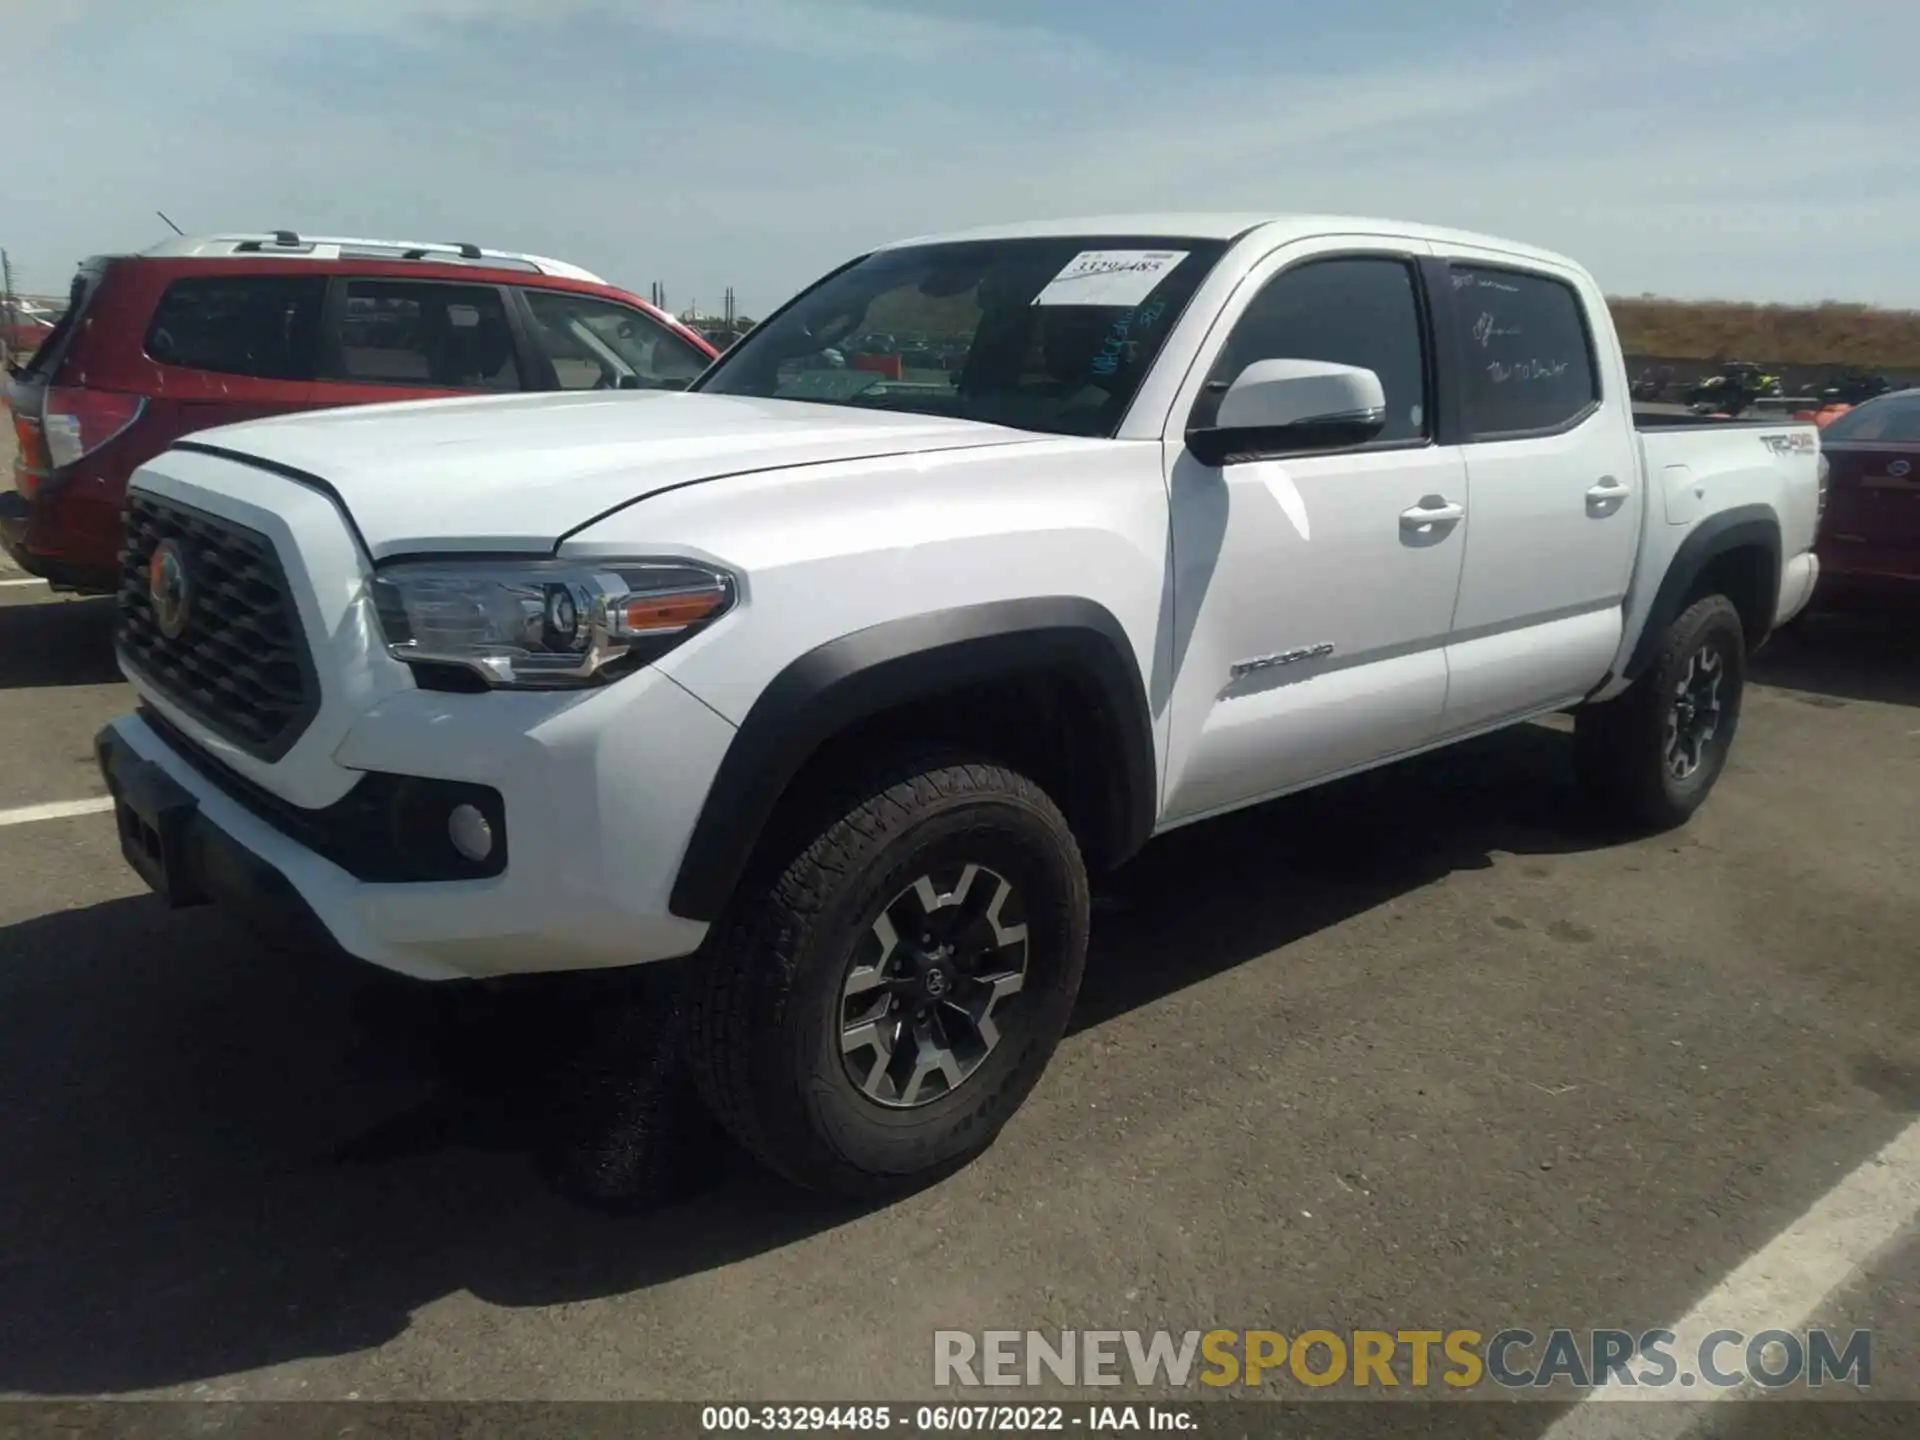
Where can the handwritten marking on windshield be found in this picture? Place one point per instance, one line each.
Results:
(1107, 362)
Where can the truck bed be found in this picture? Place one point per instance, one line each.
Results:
(1704, 474)
(1686, 420)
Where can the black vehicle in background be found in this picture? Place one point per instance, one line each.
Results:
(1853, 387)
(1736, 387)
(1653, 382)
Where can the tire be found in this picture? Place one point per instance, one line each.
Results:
(1645, 759)
(621, 1127)
(800, 966)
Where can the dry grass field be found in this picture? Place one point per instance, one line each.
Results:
(1831, 333)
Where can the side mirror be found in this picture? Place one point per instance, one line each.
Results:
(1290, 406)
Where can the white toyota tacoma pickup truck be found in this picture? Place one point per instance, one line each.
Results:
(982, 562)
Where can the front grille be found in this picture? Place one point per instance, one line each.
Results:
(239, 664)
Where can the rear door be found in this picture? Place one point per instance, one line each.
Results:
(1872, 525)
(1553, 485)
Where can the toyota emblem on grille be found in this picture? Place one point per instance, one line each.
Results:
(170, 589)
(1899, 468)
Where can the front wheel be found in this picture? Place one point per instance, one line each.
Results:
(873, 1011)
(1650, 757)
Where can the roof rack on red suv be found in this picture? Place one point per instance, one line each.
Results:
(290, 245)
(201, 331)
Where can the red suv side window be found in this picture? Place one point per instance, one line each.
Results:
(422, 334)
(597, 345)
(259, 325)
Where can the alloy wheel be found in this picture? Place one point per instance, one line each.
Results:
(931, 984)
(1695, 715)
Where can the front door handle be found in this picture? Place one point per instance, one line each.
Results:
(1432, 511)
(1605, 491)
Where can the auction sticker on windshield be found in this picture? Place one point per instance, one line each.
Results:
(1109, 277)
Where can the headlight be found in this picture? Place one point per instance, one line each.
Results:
(545, 624)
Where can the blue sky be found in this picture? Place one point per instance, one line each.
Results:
(757, 143)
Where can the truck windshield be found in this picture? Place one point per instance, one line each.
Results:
(1052, 334)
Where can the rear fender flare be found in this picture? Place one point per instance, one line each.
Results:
(1744, 526)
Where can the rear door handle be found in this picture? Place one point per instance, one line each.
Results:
(1432, 511)
(1607, 489)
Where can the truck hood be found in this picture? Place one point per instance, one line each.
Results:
(517, 472)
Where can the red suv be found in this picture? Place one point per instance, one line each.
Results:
(201, 332)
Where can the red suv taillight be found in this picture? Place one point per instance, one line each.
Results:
(76, 422)
(30, 462)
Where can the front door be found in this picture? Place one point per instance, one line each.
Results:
(1313, 592)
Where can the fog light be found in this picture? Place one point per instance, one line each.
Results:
(470, 833)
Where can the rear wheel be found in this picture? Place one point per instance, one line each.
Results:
(1650, 757)
(876, 1007)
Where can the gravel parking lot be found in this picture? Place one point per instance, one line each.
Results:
(1417, 1051)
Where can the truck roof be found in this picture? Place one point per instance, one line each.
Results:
(1229, 225)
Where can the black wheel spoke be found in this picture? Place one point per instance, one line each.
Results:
(980, 889)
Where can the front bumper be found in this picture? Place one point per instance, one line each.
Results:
(14, 514)
(186, 857)
(598, 800)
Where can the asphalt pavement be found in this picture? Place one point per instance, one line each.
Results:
(1420, 1050)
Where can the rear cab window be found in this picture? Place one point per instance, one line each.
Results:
(420, 333)
(1527, 364)
(264, 326)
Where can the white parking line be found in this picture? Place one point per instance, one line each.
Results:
(1780, 1288)
(30, 580)
(55, 810)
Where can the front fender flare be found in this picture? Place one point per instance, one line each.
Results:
(855, 677)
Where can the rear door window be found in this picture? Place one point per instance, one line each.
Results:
(259, 325)
(596, 344)
(422, 334)
(1527, 366)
